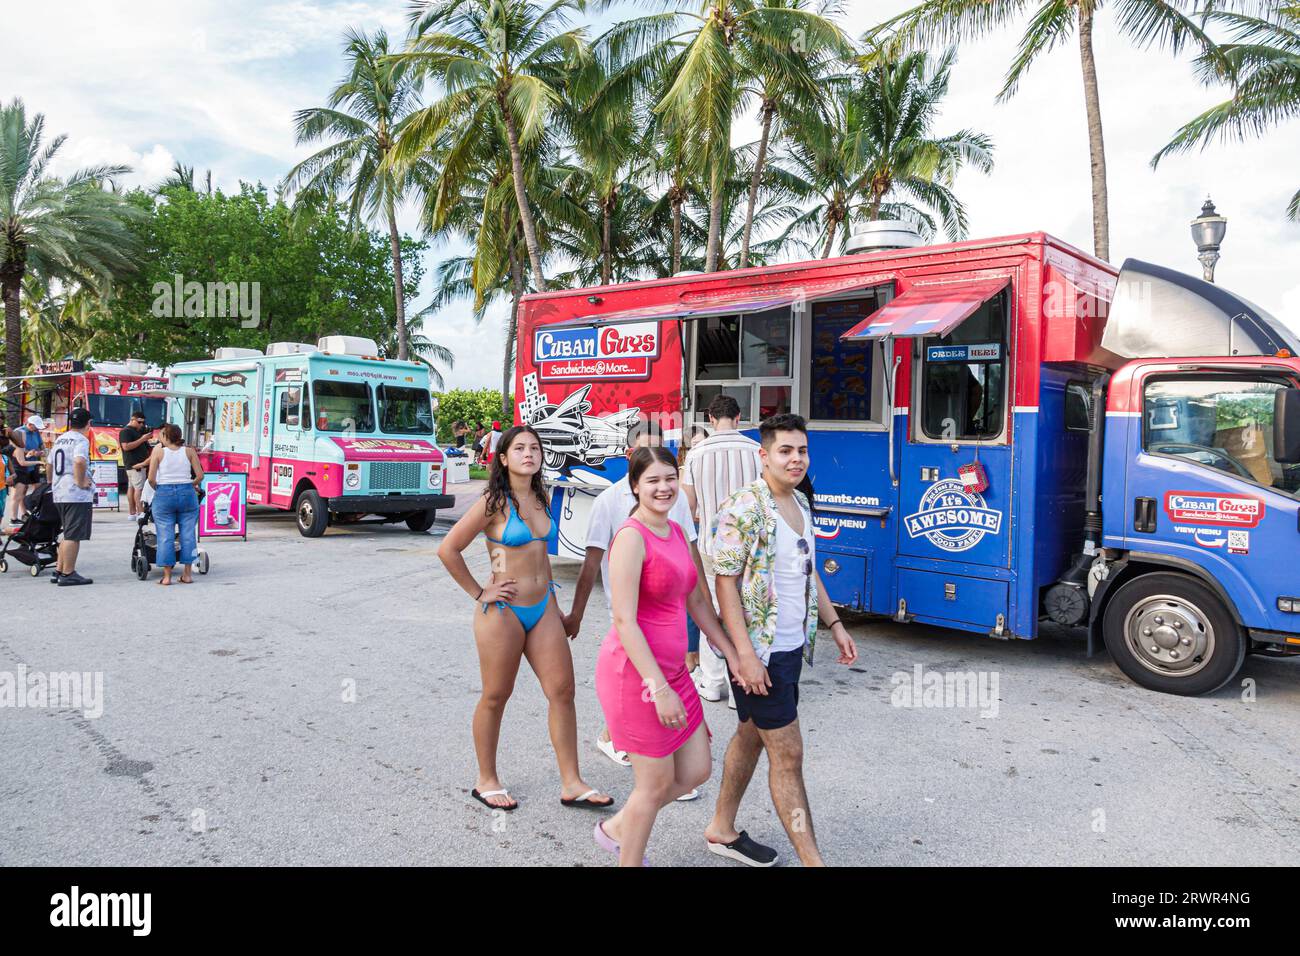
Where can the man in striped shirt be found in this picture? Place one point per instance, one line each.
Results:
(716, 467)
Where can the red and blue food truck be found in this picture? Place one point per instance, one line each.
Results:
(332, 432)
(1002, 432)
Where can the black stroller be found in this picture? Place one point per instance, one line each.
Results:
(144, 552)
(36, 542)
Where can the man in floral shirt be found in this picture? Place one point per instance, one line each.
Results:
(770, 597)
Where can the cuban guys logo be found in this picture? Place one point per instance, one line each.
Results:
(952, 518)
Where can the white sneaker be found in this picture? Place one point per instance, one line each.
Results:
(708, 691)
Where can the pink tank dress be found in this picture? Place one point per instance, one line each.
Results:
(667, 578)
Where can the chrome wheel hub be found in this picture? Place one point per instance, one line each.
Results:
(1169, 635)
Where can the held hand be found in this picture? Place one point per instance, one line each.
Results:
(571, 625)
(670, 710)
(753, 675)
(499, 591)
(848, 650)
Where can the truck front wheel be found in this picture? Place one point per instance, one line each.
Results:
(313, 517)
(420, 521)
(1171, 633)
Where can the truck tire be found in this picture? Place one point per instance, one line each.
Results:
(313, 517)
(1171, 633)
(420, 521)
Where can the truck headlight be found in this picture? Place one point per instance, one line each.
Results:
(435, 476)
(353, 480)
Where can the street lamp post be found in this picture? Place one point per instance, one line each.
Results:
(1207, 232)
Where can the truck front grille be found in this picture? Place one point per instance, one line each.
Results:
(396, 475)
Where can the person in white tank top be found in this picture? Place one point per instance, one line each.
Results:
(175, 475)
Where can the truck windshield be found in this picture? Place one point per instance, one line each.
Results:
(405, 411)
(1219, 422)
(115, 410)
(343, 406)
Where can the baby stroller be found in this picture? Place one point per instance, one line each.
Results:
(144, 552)
(36, 542)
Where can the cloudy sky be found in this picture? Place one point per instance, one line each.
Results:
(214, 84)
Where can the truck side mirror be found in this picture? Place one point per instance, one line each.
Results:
(1286, 426)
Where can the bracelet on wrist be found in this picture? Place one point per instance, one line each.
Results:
(480, 593)
(832, 623)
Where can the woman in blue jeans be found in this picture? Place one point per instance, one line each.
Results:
(175, 475)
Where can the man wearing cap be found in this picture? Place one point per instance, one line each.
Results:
(28, 449)
(74, 494)
(134, 441)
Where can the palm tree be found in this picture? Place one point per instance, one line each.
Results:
(876, 154)
(421, 349)
(1263, 67)
(70, 230)
(501, 62)
(1144, 22)
(709, 57)
(365, 115)
(182, 177)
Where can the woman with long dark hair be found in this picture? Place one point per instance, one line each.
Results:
(650, 702)
(515, 615)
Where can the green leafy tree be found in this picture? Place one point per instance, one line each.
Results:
(471, 406)
(314, 276)
(71, 230)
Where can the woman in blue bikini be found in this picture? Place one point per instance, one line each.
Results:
(515, 616)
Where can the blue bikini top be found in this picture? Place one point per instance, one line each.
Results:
(518, 533)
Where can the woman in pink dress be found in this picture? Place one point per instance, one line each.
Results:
(650, 702)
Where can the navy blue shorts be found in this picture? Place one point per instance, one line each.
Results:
(780, 706)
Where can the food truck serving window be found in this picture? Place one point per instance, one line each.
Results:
(964, 377)
(746, 356)
(343, 406)
(115, 410)
(404, 411)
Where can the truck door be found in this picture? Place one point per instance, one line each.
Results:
(1204, 485)
(289, 403)
(953, 564)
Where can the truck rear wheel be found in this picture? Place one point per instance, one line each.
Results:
(313, 517)
(421, 520)
(1171, 633)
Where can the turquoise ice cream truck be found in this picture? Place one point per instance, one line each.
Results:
(329, 431)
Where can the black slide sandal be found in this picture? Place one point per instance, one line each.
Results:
(584, 800)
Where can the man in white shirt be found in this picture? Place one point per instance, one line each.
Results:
(608, 512)
(74, 494)
(716, 467)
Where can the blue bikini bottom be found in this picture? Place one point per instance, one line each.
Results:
(528, 614)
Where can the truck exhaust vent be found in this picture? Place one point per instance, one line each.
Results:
(1160, 313)
(882, 235)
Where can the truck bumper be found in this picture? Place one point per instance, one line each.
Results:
(388, 504)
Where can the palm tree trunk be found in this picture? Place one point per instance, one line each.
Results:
(521, 197)
(713, 252)
(11, 280)
(768, 111)
(1096, 147)
(512, 332)
(831, 229)
(606, 252)
(399, 288)
(677, 234)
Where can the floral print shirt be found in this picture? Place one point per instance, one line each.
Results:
(744, 545)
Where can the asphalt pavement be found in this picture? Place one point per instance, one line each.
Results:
(308, 702)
